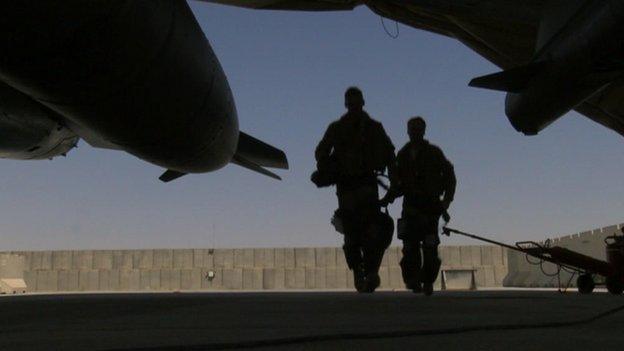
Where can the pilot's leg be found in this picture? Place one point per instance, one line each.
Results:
(353, 254)
(411, 264)
(375, 246)
(431, 259)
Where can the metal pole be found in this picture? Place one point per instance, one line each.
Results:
(447, 231)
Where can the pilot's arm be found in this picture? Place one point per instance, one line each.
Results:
(395, 184)
(450, 182)
(326, 145)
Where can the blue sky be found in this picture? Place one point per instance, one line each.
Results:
(288, 72)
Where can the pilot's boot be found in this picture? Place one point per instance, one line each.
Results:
(372, 261)
(353, 256)
(360, 280)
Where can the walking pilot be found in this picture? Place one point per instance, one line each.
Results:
(426, 180)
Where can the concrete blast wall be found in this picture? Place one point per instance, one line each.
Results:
(239, 269)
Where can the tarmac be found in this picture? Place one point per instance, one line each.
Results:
(469, 320)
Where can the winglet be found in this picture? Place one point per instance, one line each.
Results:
(513, 80)
(170, 175)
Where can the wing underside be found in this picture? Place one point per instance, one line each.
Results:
(503, 31)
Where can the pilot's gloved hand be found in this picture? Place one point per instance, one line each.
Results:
(386, 200)
(446, 216)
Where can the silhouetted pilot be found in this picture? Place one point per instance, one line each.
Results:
(426, 180)
(356, 147)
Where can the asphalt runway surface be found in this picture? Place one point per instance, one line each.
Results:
(478, 320)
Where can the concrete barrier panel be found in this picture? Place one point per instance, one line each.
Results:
(486, 256)
(330, 278)
(454, 256)
(384, 276)
(264, 258)
(104, 278)
(465, 255)
(274, 278)
(475, 254)
(310, 278)
(145, 280)
(344, 278)
(319, 278)
(129, 280)
(47, 281)
(224, 258)
(127, 260)
(233, 278)
(252, 278)
(161, 259)
(490, 279)
(145, 259)
(196, 278)
(497, 256)
(93, 280)
(280, 258)
(325, 257)
(243, 258)
(73, 280)
(122, 259)
(396, 280)
(305, 257)
(26, 256)
(341, 261)
(154, 279)
(61, 260)
(500, 272)
(103, 260)
(183, 259)
(189, 280)
(165, 279)
(114, 280)
(46, 260)
(186, 279)
(203, 258)
(268, 278)
(479, 278)
(289, 278)
(175, 282)
(35, 260)
(393, 255)
(30, 277)
(82, 260)
(289, 258)
(294, 278)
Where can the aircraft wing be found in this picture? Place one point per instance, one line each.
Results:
(506, 32)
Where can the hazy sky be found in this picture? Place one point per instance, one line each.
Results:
(288, 71)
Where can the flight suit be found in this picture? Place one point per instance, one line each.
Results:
(423, 175)
(359, 147)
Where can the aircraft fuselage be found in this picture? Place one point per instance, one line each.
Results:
(140, 75)
(583, 58)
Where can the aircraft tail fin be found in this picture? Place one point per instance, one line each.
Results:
(255, 154)
(513, 80)
(260, 152)
(243, 162)
(170, 175)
